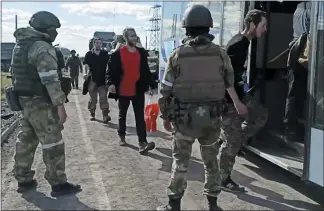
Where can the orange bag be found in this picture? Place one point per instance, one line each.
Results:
(151, 113)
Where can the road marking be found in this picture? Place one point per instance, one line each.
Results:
(103, 200)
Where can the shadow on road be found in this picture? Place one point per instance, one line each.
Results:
(129, 129)
(195, 169)
(160, 134)
(273, 199)
(274, 173)
(43, 202)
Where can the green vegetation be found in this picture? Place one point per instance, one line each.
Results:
(5, 82)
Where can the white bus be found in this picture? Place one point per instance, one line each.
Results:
(304, 159)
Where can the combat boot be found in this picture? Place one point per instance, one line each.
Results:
(25, 186)
(144, 147)
(65, 189)
(212, 204)
(173, 205)
(92, 116)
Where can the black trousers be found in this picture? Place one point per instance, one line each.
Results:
(296, 98)
(138, 103)
(75, 80)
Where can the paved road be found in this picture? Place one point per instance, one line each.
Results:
(114, 177)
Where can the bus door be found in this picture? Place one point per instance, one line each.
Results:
(314, 164)
(268, 67)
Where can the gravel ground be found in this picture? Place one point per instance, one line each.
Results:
(5, 123)
(119, 178)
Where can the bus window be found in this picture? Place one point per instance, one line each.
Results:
(232, 18)
(215, 9)
(319, 85)
(172, 11)
(181, 32)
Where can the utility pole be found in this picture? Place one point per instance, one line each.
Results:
(155, 30)
(114, 19)
(16, 22)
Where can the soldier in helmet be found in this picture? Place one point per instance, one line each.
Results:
(74, 64)
(36, 82)
(193, 90)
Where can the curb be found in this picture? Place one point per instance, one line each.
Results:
(5, 135)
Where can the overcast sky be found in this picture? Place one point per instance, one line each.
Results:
(80, 20)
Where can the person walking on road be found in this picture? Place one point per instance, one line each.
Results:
(193, 91)
(96, 61)
(65, 80)
(36, 82)
(129, 77)
(237, 49)
(74, 63)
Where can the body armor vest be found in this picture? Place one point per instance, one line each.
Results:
(26, 81)
(200, 76)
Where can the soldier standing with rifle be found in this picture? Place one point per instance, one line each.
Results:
(37, 92)
(193, 91)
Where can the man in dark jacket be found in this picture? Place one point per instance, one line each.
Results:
(74, 64)
(129, 77)
(297, 75)
(65, 80)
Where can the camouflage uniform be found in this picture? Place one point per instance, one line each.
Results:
(185, 135)
(242, 128)
(40, 120)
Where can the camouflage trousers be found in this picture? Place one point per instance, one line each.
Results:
(239, 132)
(181, 152)
(40, 123)
(94, 90)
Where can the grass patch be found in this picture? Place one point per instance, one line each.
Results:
(5, 82)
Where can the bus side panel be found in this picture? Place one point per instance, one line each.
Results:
(316, 164)
(315, 150)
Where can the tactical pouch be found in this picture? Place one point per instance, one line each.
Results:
(198, 117)
(12, 99)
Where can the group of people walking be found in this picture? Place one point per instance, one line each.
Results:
(123, 75)
(202, 97)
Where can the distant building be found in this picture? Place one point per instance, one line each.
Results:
(6, 55)
(65, 52)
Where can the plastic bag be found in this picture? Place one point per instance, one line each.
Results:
(151, 112)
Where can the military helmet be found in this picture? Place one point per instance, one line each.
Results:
(197, 16)
(44, 20)
(73, 51)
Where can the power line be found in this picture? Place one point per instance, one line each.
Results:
(155, 29)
